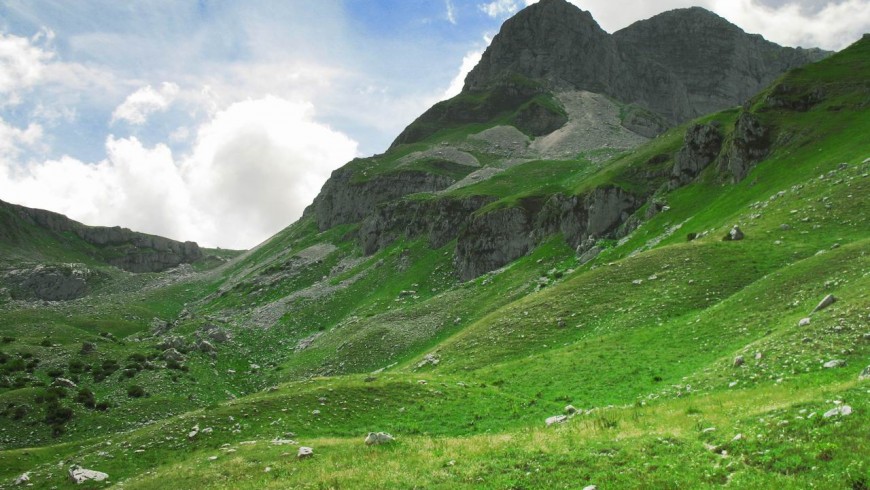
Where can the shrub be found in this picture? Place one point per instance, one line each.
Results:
(76, 366)
(102, 406)
(137, 357)
(135, 391)
(8, 340)
(46, 342)
(56, 416)
(86, 398)
(54, 372)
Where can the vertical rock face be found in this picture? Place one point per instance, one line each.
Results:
(493, 240)
(749, 145)
(701, 146)
(716, 64)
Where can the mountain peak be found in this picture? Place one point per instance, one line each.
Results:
(552, 41)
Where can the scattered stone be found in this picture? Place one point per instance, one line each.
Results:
(193, 432)
(737, 438)
(556, 419)
(212, 458)
(843, 410)
(826, 302)
(784, 227)
(738, 361)
(834, 363)
(804, 322)
(865, 374)
(64, 383)
(79, 475)
(637, 282)
(571, 410)
(590, 487)
(377, 438)
(315, 412)
(24, 478)
(708, 430)
(758, 356)
(88, 347)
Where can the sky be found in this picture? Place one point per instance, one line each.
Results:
(218, 121)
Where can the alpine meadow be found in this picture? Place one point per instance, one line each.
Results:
(637, 259)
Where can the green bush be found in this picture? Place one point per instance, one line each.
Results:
(86, 398)
(135, 391)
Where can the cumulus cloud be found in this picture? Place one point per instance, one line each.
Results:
(21, 63)
(140, 104)
(833, 26)
(252, 170)
(13, 140)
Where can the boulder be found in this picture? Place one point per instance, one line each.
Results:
(79, 475)
(826, 302)
(305, 452)
(738, 361)
(377, 438)
(735, 234)
(571, 410)
(556, 419)
(804, 322)
(835, 363)
(865, 374)
(172, 342)
(88, 347)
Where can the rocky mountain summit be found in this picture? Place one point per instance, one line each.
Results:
(553, 85)
(679, 64)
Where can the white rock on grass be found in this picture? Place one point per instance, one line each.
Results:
(376, 438)
(591, 487)
(804, 322)
(834, 363)
(865, 374)
(571, 410)
(79, 475)
(305, 452)
(738, 361)
(841, 410)
(556, 419)
(24, 478)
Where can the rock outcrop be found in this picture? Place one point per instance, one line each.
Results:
(345, 200)
(702, 145)
(50, 282)
(750, 143)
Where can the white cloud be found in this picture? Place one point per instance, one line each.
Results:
(13, 140)
(253, 169)
(469, 61)
(499, 8)
(451, 11)
(834, 26)
(140, 104)
(21, 64)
